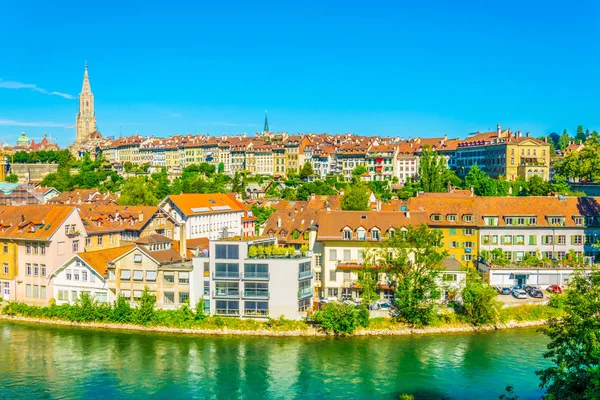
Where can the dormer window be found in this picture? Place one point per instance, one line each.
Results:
(556, 220)
(468, 218)
(436, 217)
(361, 234)
(451, 217)
(391, 232)
(346, 234)
(375, 234)
(578, 221)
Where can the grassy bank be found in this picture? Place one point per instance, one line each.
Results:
(187, 320)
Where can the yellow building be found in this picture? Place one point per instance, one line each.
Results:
(8, 268)
(455, 217)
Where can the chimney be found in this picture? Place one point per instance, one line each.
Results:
(378, 205)
(499, 130)
(342, 192)
(141, 216)
(22, 218)
(407, 214)
(183, 242)
(279, 222)
(312, 196)
(328, 208)
(527, 134)
(510, 190)
(472, 190)
(545, 138)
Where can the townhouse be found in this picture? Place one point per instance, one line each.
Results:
(380, 161)
(212, 216)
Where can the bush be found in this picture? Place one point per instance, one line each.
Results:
(363, 316)
(144, 312)
(121, 311)
(341, 319)
(479, 301)
(200, 314)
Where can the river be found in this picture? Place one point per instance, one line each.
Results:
(38, 361)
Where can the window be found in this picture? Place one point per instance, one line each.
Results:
(28, 290)
(206, 288)
(28, 269)
(138, 275)
(137, 258)
(36, 291)
(169, 277)
(75, 246)
(490, 221)
(332, 292)
(92, 278)
(519, 240)
(468, 231)
(333, 275)
(36, 270)
(468, 245)
(452, 231)
(556, 220)
(75, 274)
(27, 248)
(578, 220)
(84, 276)
(5, 268)
(151, 276)
(63, 295)
(256, 271)
(346, 234)
(137, 295)
(436, 217)
(318, 260)
(468, 218)
(227, 307)
(68, 275)
(507, 239)
(256, 308)
(561, 239)
(35, 249)
(532, 239)
(449, 277)
(332, 255)
(318, 276)
(547, 239)
(43, 269)
(227, 251)
(184, 277)
(361, 234)
(125, 274)
(485, 239)
(184, 297)
(111, 238)
(169, 297)
(451, 217)
(5, 248)
(453, 244)
(101, 297)
(577, 239)
(88, 241)
(347, 255)
(74, 295)
(43, 292)
(100, 238)
(43, 249)
(227, 270)
(375, 234)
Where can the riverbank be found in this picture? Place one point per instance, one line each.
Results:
(392, 330)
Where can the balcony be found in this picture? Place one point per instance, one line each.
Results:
(256, 294)
(226, 275)
(352, 264)
(256, 276)
(305, 274)
(304, 293)
(226, 294)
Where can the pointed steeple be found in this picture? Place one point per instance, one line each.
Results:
(266, 128)
(86, 88)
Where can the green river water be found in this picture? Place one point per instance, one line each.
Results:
(47, 362)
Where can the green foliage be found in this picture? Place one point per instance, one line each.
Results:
(237, 183)
(142, 315)
(563, 141)
(12, 178)
(417, 289)
(137, 191)
(434, 174)
(574, 346)
(121, 311)
(60, 157)
(359, 170)
(221, 168)
(406, 396)
(306, 170)
(200, 314)
(318, 187)
(368, 277)
(340, 319)
(479, 304)
(582, 165)
(509, 394)
(356, 198)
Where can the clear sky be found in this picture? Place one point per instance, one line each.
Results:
(418, 68)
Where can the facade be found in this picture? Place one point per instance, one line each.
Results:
(248, 287)
(85, 122)
(212, 216)
(522, 276)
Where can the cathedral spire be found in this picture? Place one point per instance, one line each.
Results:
(86, 118)
(86, 81)
(266, 128)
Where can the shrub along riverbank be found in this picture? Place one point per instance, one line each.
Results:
(340, 320)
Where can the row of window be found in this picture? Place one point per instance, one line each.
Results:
(452, 217)
(519, 240)
(251, 308)
(518, 256)
(82, 275)
(251, 289)
(31, 248)
(35, 291)
(168, 277)
(73, 295)
(31, 269)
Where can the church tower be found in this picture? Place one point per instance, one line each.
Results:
(86, 118)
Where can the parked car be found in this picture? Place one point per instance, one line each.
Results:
(520, 294)
(529, 288)
(555, 288)
(505, 290)
(536, 294)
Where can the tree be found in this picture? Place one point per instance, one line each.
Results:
(412, 258)
(479, 304)
(563, 141)
(536, 186)
(341, 319)
(136, 192)
(359, 170)
(432, 171)
(12, 178)
(477, 179)
(306, 170)
(237, 183)
(574, 347)
(221, 168)
(144, 312)
(356, 198)
(368, 277)
(581, 135)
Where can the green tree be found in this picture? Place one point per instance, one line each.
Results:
(574, 346)
(536, 186)
(581, 135)
(12, 178)
(479, 304)
(368, 277)
(413, 259)
(478, 180)
(144, 312)
(221, 168)
(356, 198)
(237, 183)
(137, 192)
(359, 170)
(432, 171)
(306, 170)
(340, 319)
(563, 141)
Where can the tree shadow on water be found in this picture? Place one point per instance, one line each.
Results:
(426, 394)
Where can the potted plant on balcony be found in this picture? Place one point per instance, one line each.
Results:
(304, 249)
(268, 251)
(252, 252)
(290, 252)
(260, 250)
(279, 252)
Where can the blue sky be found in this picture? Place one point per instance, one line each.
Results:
(423, 68)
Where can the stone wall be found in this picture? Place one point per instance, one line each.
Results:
(32, 172)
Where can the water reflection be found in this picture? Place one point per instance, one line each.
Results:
(50, 362)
